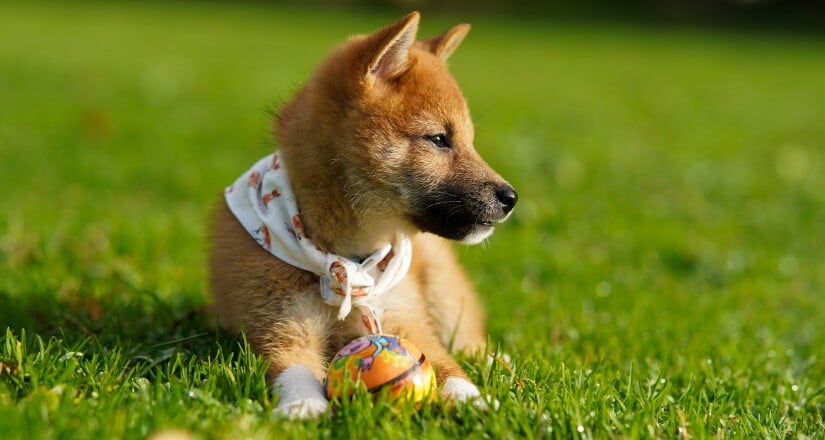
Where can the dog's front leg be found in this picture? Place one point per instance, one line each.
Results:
(456, 386)
(296, 350)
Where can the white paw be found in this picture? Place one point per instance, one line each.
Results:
(304, 409)
(302, 397)
(486, 403)
(460, 390)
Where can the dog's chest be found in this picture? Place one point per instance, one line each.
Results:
(397, 304)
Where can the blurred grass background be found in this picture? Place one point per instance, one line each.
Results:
(662, 275)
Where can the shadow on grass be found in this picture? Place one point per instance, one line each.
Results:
(139, 317)
(148, 330)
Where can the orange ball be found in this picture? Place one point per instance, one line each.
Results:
(381, 362)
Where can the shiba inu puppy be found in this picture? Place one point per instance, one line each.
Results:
(342, 232)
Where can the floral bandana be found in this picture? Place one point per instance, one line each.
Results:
(263, 202)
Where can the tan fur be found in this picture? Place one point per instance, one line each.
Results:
(354, 142)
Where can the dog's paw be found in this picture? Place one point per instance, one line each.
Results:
(486, 402)
(460, 390)
(302, 409)
(302, 397)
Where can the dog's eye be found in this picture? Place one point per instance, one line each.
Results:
(439, 140)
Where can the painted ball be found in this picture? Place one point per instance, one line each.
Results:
(381, 364)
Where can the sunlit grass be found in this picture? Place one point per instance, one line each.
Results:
(663, 274)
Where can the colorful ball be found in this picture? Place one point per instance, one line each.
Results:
(379, 363)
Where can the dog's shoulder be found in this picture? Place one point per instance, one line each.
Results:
(243, 274)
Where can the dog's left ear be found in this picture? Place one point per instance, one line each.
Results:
(445, 44)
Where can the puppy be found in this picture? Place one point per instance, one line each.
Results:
(342, 232)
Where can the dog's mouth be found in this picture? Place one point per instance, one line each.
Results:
(466, 217)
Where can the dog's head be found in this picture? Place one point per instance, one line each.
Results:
(386, 114)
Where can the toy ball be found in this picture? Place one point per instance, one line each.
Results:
(379, 363)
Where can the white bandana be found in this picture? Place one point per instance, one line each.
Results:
(263, 202)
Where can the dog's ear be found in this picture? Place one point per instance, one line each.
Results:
(393, 43)
(443, 45)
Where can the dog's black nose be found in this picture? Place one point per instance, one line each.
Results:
(507, 197)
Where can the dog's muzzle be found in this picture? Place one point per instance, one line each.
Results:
(466, 214)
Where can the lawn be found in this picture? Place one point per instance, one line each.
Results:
(662, 276)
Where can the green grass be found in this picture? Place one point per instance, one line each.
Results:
(663, 274)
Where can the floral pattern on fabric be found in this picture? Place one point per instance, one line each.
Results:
(263, 202)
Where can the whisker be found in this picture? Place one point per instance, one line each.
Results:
(442, 202)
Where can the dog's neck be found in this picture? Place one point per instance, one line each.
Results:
(330, 219)
(264, 203)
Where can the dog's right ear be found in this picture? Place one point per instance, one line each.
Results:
(391, 46)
